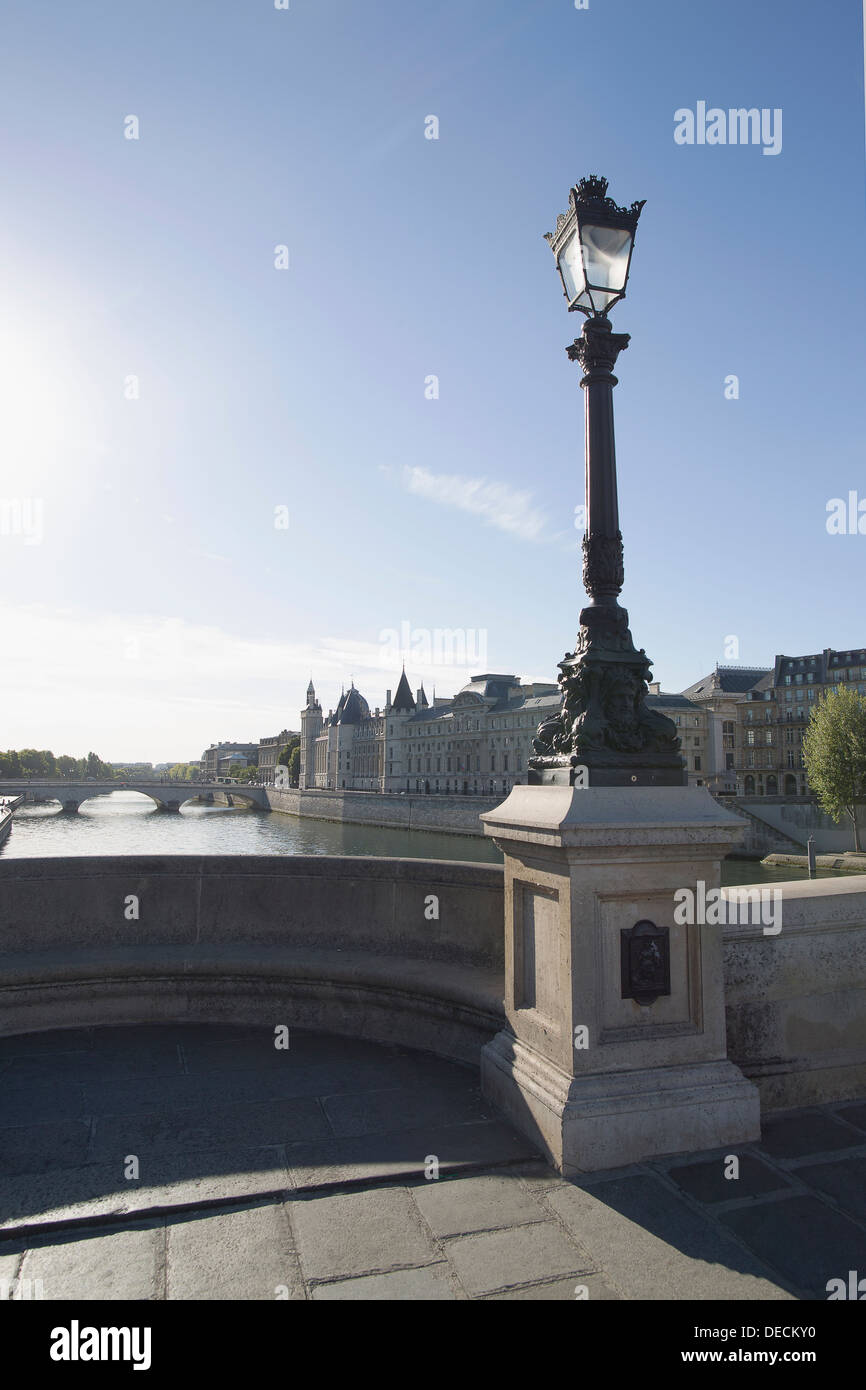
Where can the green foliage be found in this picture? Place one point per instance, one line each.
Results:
(834, 753)
(41, 762)
(287, 750)
(184, 772)
(294, 765)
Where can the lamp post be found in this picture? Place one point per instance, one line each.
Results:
(603, 723)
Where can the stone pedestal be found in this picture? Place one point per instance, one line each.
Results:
(615, 1048)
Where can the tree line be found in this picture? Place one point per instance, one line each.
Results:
(41, 762)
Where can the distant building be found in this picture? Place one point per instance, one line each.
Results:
(269, 753)
(476, 742)
(740, 729)
(759, 715)
(693, 727)
(216, 760)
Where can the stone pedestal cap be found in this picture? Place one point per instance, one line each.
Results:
(614, 817)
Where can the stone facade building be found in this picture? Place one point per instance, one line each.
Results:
(758, 716)
(216, 760)
(693, 724)
(740, 727)
(475, 743)
(269, 752)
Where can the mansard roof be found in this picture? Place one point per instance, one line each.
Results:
(726, 680)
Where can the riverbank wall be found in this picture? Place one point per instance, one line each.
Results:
(451, 815)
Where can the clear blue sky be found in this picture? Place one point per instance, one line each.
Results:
(161, 608)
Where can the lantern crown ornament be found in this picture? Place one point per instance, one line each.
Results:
(593, 244)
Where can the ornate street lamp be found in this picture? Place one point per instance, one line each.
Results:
(603, 723)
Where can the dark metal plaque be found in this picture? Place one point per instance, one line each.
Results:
(645, 962)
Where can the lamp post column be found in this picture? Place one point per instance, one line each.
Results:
(597, 351)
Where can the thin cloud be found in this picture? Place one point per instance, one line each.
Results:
(500, 505)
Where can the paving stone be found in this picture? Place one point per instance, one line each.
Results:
(359, 1233)
(808, 1241)
(105, 1265)
(378, 1112)
(10, 1259)
(430, 1284)
(707, 1182)
(855, 1115)
(653, 1246)
(236, 1254)
(55, 1042)
(24, 1102)
(403, 1154)
(294, 1078)
(806, 1132)
(37, 1148)
(459, 1205)
(844, 1180)
(148, 1060)
(166, 1180)
(253, 1054)
(591, 1286)
(503, 1259)
(154, 1131)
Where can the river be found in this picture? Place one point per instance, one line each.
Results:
(129, 823)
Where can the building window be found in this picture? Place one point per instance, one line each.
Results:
(697, 764)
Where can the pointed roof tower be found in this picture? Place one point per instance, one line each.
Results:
(403, 701)
(423, 702)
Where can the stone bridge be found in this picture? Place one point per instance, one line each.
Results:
(169, 796)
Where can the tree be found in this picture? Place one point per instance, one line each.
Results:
(9, 764)
(66, 766)
(287, 750)
(294, 765)
(32, 762)
(834, 754)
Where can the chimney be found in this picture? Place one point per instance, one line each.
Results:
(655, 688)
(387, 699)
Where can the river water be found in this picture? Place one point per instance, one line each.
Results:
(129, 823)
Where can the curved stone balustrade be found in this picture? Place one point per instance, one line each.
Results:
(395, 950)
(350, 945)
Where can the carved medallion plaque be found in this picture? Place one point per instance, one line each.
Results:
(645, 962)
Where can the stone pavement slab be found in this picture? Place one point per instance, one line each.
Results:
(652, 1245)
(500, 1259)
(806, 1240)
(35, 1148)
(382, 1112)
(844, 1181)
(404, 1154)
(217, 1126)
(99, 1189)
(805, 1132)
(240, 1253)
(430, 1284)
(104, 1265)
(241, 1147)
(360, 1233)
(585, 1288)
(458, 1207)
(707, 1182)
